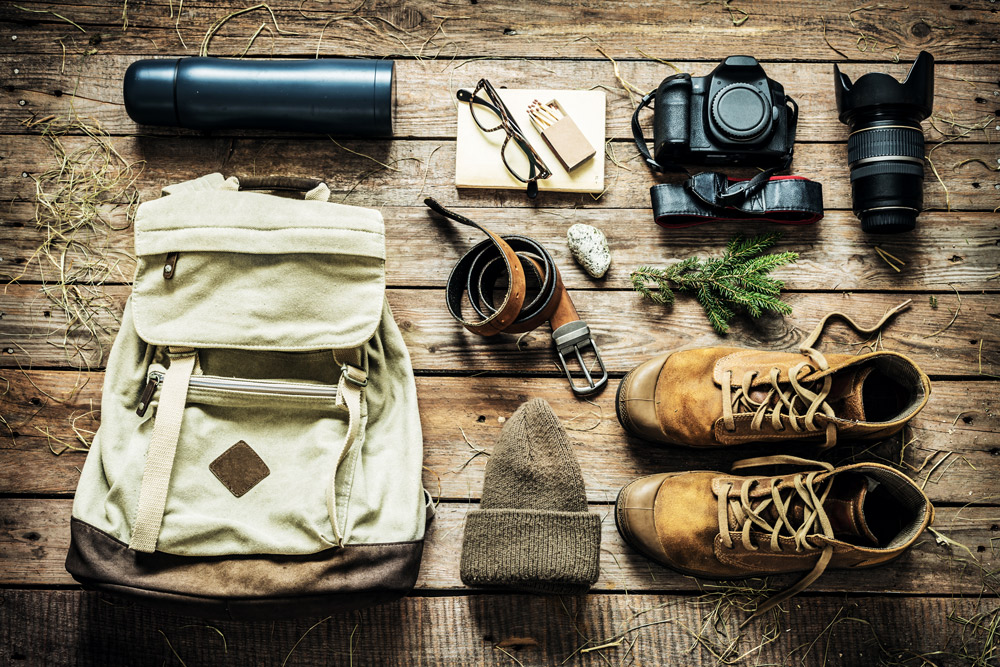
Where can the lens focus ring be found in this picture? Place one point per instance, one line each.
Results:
(887, 167)
(876, 142)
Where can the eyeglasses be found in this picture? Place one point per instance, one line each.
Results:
(491, 114)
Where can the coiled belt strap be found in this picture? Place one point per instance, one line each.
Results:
(712, 197)
(478, 272)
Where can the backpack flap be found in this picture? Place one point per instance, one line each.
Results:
(247, 270)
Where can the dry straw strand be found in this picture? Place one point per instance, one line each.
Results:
(74, 201)
(225, 19)
(737, 15)
(52, 13)
(171, 647)
(827, 40)
(299, 641)
(953, 317)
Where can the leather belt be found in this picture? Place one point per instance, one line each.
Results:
(711, 197)
(481, 269)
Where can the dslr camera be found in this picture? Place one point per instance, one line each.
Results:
(736, 116)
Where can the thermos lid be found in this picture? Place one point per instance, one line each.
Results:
(149, 92)
(384, 97)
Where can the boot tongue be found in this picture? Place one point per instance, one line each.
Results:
(845, 394)
(844, 507)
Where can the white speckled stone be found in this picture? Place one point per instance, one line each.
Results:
(590, 248)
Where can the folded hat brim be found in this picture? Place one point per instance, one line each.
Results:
(539, 551)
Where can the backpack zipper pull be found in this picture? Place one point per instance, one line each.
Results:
(147, 394)
(170, 266)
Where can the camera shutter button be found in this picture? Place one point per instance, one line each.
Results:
(741, 112)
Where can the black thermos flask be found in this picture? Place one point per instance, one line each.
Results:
(342, 97)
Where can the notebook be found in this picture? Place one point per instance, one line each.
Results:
(477, 158)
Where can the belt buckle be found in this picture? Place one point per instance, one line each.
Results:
(573, 337)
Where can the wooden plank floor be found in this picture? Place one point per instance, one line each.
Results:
(936, 605)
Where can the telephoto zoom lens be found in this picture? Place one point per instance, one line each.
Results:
(885, 150)
(886, 159)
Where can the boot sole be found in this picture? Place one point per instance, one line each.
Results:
(620, 405)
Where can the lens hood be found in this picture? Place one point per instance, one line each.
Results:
(877, 90)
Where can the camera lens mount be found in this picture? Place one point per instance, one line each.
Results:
(741, 112)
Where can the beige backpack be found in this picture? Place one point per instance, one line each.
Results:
(260, 449)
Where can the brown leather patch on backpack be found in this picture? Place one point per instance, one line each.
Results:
(239, 468)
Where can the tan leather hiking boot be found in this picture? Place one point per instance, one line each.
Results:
(716, 396)
(723, 526)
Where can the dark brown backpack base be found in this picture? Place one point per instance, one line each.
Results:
(259, 587)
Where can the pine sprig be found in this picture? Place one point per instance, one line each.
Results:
(737, 281)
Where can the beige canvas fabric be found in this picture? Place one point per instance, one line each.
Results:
(265, 290)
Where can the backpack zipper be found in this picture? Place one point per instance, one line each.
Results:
(155, 379)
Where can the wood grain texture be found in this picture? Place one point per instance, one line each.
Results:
(671, 29)
(91, 87)
(34, 539)
(627, 328)
(62, 628)
(949, 249)
(961, 417)
(467, 385)
(426, 168)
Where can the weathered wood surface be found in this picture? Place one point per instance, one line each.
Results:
(39, 86)
(671, 29)
(63, 628)
(43, 407)
(466, 384)
(34, 538)
(949, 251)
(627, 328)
(426, 168)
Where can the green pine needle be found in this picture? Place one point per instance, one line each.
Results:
(737, 281)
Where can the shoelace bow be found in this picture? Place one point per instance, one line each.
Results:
(784, 405)
(750, 515)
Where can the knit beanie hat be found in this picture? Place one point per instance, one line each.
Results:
(532, 531)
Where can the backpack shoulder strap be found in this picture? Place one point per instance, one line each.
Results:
(162, 447)
(351, 394)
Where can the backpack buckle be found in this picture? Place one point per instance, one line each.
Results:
(574, 337)
(346, 372)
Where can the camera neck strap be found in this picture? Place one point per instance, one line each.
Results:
(709, 197)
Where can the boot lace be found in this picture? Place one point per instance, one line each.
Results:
(749, 514)
(785, 405)
(777, 400)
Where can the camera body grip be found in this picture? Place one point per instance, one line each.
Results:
(672, 113)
